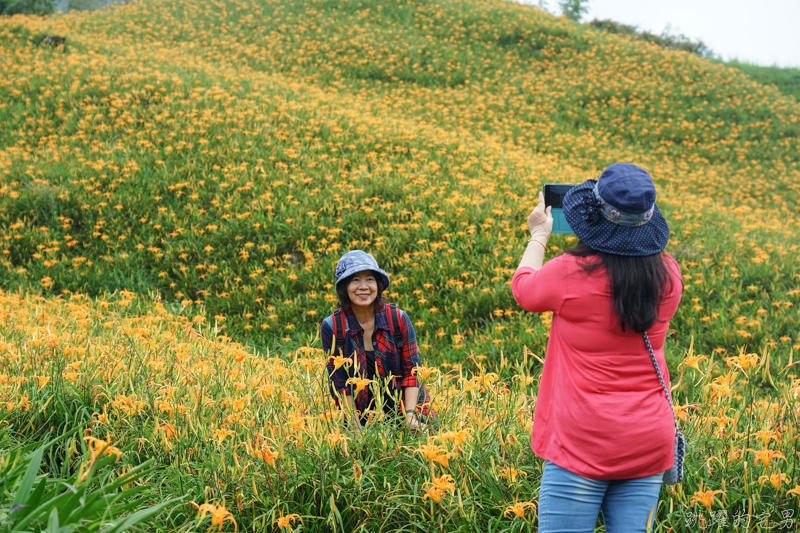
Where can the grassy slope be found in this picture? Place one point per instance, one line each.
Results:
(786, 80)
(229, 152)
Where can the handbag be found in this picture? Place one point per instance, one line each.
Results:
(675, 474)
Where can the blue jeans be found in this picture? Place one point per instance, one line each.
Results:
(570, 503)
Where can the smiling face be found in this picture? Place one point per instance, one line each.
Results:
(363, 289)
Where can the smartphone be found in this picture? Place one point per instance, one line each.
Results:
(553, 197)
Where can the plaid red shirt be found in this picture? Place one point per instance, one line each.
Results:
(387, 360)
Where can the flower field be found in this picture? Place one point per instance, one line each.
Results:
(255, 439)
(178, 181)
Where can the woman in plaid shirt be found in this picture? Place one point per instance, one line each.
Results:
(388, 354)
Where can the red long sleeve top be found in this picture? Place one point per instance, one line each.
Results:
(600, 411)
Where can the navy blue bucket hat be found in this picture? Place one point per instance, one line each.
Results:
(617, 213)
(359, 261)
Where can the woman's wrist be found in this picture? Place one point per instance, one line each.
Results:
(539, 232)
(540, 236)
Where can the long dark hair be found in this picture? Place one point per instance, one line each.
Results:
(344, 299)
(637, 284)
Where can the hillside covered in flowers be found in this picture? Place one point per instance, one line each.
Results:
(226, 154)
(178, 180)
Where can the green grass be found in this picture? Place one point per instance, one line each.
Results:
(201, 413)
(60, 486)
(785, 79)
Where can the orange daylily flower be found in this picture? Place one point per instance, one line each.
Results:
(297, 422)
(766, 435)
(693, 361)
(222, 434)
(682, 411)
(518, 508)
(776, 478)
(444, 482)
(286, 522)
(765, 456)
(219, 515)
(470, 384)
(512, 473)
(265, 454)
(433, 493)
(424, 372)
(722, 385)
(360, 383)
(41, 381)
(337, 437)
(438, 488)
(456, 437)
(169, 431)
(743, 361)
(488, 379)
(340, 360)
(435, 453)
(101, 447)
(704, 497)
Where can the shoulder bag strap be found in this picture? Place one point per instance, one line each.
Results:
(394, 324)
(660, 377)
(339, 332)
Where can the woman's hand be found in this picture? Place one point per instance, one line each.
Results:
(410, 397)
(413, 423)
(540, 221)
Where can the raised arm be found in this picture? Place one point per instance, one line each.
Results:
(540, 224)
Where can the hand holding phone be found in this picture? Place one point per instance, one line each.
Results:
(540, 221)
(553, 197)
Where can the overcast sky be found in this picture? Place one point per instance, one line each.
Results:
(765, 32)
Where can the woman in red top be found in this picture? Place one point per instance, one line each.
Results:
(602, 422)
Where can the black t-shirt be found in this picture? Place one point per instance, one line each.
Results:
(372, 373)
(372, 368)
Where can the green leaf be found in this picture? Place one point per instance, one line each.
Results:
(34, 499)
(137, 517)
(25, 487)
(52, 522)
(55, 503)
(106, 505)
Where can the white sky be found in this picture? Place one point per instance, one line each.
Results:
(765, 32)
